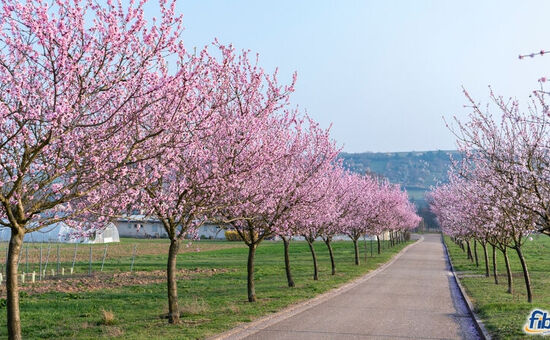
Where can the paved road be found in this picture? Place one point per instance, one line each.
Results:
(413, 298)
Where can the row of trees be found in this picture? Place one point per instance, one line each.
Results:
(499, 193)
(103, 113)
(345, 204)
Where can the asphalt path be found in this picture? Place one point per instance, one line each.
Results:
(415, 297)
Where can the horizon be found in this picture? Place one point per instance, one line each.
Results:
(404, 151)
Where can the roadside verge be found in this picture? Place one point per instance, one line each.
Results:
(482, 330)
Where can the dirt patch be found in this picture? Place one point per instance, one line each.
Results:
(84, 283)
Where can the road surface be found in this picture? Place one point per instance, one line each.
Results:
(413, 298)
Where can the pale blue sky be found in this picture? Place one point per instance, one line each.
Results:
(384, 72)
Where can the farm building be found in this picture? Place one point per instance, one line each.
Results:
(141, 226)
(211, 231)
(60, 232)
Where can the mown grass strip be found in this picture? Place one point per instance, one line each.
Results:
(505, 314)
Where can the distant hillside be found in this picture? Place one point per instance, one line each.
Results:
(415, 171)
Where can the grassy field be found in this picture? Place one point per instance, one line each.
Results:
(118, 256)
(505, 314)
(212, 292)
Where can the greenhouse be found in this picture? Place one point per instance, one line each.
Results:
(61, 232)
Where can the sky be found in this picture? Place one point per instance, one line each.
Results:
(383, 74)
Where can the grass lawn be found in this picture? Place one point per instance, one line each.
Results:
(118, 256)
(213, 298)
(505, 314)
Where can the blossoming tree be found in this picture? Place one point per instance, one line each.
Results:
(76, 78)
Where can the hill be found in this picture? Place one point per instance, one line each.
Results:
(415, 171)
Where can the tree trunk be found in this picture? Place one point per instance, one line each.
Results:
(331, 254)
(508, 270)
(378, 241)
(286, 242)
(470, 257)
(314, 256)
(486, 256)
(495, 265)
(525, 274)
(475, 253)
(173, 308)
(12, 287)
(250, 269)
(356, 248)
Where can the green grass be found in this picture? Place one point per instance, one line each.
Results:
(211, 304)
(118, 256)
(505, 314)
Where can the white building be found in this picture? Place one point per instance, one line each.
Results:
(211, 231)
(141, 226)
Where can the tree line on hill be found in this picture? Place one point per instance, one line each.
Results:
(415, 171)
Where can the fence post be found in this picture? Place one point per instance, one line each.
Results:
(365, 244)
(58, 264)
(371, 239)
(74, 257)
(133, 258)
(27, 258)
(90, 265)
(47, 259)
(40, 273)
(104, 255)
